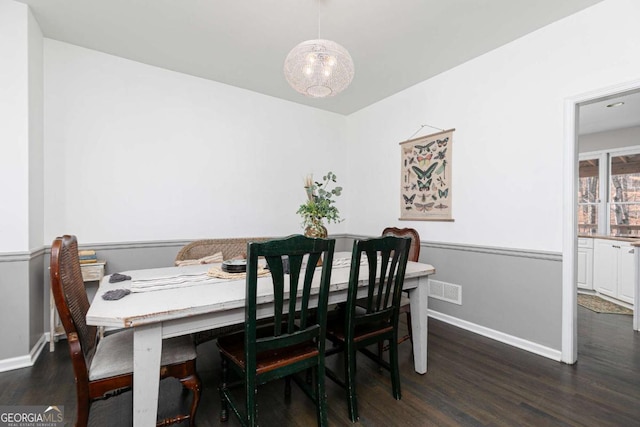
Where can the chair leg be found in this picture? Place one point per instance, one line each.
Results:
(381, 350)
(251, 392)
(321, 395)
(224, 406)
(350, 381)
(192, 382)
(409, 326)
(287, 387)
(82, 412)
(308, 376)
(395, 371)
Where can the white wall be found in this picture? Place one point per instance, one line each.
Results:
(14, 127)
(507, 108)
(138, 153)
(618, 138)
(123, 138)
(36, 135)
(21, 182)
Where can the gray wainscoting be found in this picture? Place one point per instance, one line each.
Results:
(507, 294)
(513, 292)
(511, 295)
(22, 307)
(38, 287)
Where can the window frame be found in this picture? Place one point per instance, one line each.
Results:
(603, 171)
(604, 203)
(626, 151)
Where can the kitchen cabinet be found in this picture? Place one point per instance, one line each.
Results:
(614, 269)
(626, 275)
(585, 263)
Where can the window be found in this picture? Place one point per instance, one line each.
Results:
(588, 196)
(624, 195)
(615, 175)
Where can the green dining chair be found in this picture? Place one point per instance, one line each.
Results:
(414, 255)
(290, 343)
(370, 315)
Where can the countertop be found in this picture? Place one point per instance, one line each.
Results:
(634, 240)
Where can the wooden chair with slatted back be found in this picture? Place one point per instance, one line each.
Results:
(372, 318)
(104, 368)
(290, 343)
(414, 255)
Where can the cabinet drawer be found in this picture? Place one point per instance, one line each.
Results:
(585, 242)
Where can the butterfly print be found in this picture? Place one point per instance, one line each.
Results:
(422, 174)
(424, 159)
(422, 148)
(443, 142)
(424, 186)
(441, 154)
(408, 200)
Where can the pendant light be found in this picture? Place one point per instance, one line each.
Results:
(319, 68)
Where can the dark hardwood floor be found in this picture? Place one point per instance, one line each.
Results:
(472, 381)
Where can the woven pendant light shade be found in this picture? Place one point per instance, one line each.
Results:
(319, 68)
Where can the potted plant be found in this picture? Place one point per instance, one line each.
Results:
(320, 205)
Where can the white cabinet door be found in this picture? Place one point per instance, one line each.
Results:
(626, 273)
(582, 268)
(605, 267)
(585, 268)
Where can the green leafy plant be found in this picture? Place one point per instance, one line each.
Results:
(320, 204)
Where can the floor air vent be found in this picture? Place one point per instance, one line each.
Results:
(445, 291)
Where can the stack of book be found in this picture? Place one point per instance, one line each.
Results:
(87, 256)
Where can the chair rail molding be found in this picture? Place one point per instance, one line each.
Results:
(23, 256)
(493, 250)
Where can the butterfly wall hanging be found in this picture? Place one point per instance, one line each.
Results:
(425, 191)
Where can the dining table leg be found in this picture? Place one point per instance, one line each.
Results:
(419, 301)
(147, 351)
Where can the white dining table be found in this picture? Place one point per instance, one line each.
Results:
(158, 314)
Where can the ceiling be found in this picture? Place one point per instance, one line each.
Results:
(394, 44)
(597, 117)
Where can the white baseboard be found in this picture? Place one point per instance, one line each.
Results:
(37, 349)
(15, 363)
(26, 360)
(520, 343)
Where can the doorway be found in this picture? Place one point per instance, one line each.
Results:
(570, 226)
